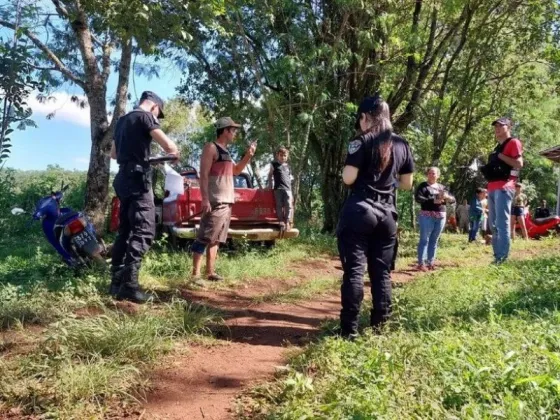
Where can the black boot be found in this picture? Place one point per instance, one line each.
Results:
(116, 279)
(378, 320)
(130, 288)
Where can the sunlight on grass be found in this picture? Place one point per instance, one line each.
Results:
(477, 341)
(169, 270)
(308, 290)
(93, 362)
(469, 312)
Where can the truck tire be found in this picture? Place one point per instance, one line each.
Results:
(176, 243)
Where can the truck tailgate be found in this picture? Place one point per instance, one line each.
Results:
(254, 205)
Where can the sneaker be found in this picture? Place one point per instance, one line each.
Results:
(421, 267)
(197, 280)
(431, 267)
(214, 277)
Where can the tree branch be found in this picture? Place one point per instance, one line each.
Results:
(122, 85)
(106, 61)
(60, 9)
(63, 13)
(85, 42)
(411, 66)
(48, 52)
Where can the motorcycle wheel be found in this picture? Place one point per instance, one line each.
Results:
(99, 260)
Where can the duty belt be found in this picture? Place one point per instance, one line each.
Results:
(134, 167)
(375, 196)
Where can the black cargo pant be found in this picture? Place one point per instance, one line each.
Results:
(136, 227)
(366, 234)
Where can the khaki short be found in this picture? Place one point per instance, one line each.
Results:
(214, 225)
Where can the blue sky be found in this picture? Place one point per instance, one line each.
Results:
(65, 139)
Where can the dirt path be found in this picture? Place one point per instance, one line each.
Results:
(204, 383)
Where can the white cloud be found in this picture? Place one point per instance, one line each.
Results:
(63, 108)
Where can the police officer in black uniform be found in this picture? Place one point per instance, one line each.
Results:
(377, 162)
(131, 148)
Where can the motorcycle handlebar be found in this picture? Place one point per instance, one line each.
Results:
(161, 159)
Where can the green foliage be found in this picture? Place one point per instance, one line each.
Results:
(436, 63)
(24, 188)
(16, 85)
(189, 127)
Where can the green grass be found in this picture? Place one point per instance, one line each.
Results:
(168, 270)
(307, 290)
(89, 366)
(87, 359)
(476, 342)
(38, 289)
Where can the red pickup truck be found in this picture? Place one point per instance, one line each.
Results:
(253, 214)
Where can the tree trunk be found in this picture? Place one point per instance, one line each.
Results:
(302, 162)
(332, 190)
(255, 170)
(97, 187)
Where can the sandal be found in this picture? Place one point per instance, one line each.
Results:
(214, 277)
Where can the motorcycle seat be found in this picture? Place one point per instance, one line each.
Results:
(66, 216)
(544, 220)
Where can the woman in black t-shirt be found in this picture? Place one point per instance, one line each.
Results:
(432, 197)
(377, 162)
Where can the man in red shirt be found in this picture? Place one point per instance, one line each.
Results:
(504, 162)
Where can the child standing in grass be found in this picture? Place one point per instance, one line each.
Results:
(476, 213)
(280, 178)
(518, 211)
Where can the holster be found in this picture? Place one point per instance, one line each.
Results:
(138, 177)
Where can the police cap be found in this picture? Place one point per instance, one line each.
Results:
(151, 96)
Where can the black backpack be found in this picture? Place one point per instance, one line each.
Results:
(496, 169)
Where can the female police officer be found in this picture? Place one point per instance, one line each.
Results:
(377, 162)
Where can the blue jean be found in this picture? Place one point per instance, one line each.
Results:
(430, 231)
(499, 215)
(475, 226)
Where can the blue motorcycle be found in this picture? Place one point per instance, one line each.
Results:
(68, 231)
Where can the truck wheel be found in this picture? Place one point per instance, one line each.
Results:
(171, 238)
(177, 243)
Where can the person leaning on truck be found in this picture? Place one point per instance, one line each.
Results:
(133, 184)
(217, 170)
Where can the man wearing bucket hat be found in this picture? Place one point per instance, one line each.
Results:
(217, 170)
(502, 173)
